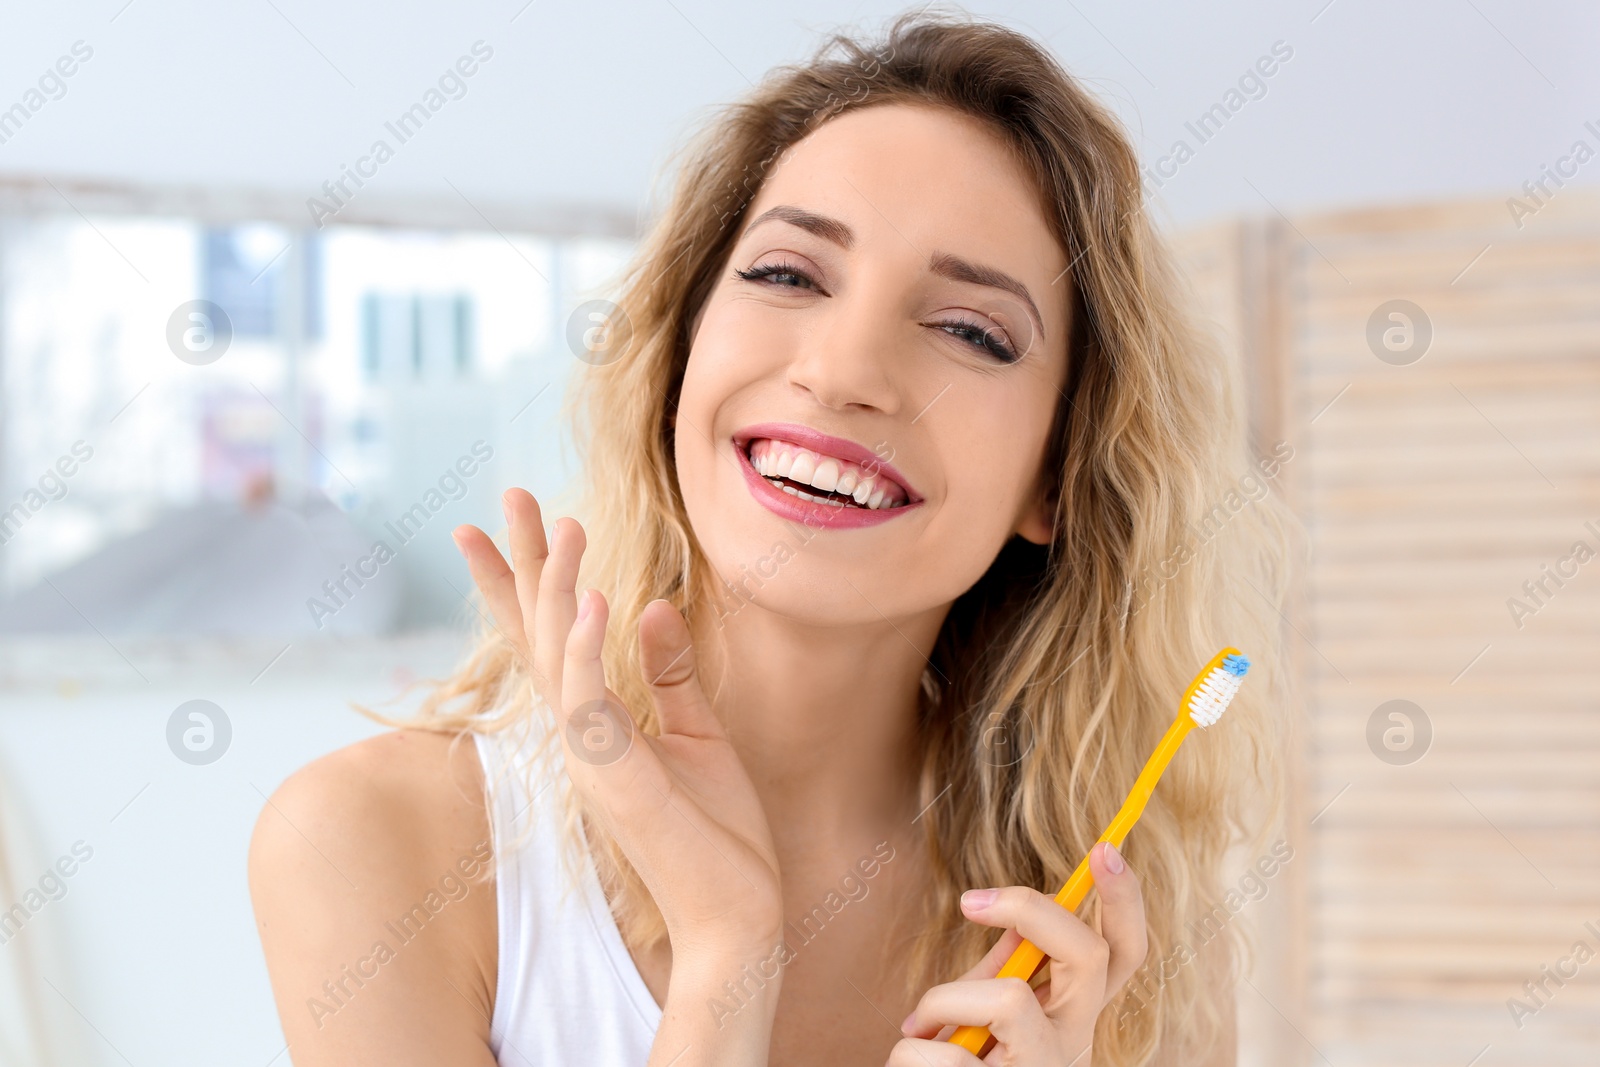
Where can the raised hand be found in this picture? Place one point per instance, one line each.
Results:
(680, 805)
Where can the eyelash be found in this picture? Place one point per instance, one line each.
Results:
(965, 329)
(768, 270)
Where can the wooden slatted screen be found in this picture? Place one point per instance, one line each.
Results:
(1430, 891)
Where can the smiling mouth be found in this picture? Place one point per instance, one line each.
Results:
(817, 478)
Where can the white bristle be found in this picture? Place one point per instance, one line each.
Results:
(1211, 696)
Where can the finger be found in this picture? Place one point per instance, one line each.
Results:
(987, 967)
(493, 577)
(666, 657)
(556, 606)
(1122, 921)
(528, 554)
(597, 729)
(1071, 946)
(995, 958)
(1007, 1006)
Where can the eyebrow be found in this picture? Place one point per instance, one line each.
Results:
(957, 269)
(821, 225)
(941, 263)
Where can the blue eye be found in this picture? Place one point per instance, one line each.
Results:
(779, 274)
(990, 339)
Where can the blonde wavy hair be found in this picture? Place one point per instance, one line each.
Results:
(1078, 650)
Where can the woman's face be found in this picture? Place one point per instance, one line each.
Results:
(891, 325)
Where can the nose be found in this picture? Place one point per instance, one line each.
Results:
(849, 359)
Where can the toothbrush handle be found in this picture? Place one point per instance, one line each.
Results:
(1027, 958)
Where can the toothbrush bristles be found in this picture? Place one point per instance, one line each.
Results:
(1212, 696)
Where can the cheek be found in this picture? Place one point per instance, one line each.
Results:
(692, 432)
(991, 452)
(988, 458)
(735, 349)
(730, 351)
(716, 374)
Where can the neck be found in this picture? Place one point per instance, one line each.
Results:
(824, 718)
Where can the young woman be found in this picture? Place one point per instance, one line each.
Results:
(901, 539)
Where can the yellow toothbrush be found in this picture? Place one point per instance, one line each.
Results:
(1203, 704)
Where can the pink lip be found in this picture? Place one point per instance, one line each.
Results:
(811, 514)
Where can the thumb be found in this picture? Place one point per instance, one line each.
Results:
(666, 656)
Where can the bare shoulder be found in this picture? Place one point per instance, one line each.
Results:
(405, 786)
(371, 873)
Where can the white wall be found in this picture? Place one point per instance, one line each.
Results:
(151, 956)
(581, 102)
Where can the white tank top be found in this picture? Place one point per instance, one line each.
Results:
(567, 991)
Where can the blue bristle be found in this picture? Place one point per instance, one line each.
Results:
(1236, 665)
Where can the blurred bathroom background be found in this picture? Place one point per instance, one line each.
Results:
(281, 280)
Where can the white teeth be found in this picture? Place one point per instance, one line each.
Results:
(775, 461)
(804, 467)
(792, 491)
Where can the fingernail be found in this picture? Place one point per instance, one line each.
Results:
(1114, 862)
(583, 606)
(978, 899)
(905, 1027)
(505, 507)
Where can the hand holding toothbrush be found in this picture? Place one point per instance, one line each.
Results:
(1052, 1026)
(1203, 703)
